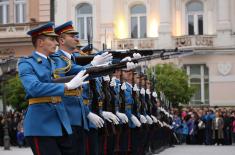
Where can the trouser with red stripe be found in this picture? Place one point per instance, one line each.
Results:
(47, 145)
(124, 138)
(92, 147)
(107, 139)
(79, 140)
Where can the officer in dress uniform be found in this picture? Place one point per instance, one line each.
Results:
(77, 111)
(46, 125)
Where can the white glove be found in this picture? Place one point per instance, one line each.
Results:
(95, 119)
(142, 91)
(122, 117)
(130, 65)
(164, 124)
(160, 123)
(143, 119)
(135, 121)
(102, 59)
(135, 88)
(123, 87)
(113, 83)
(154, 119)
(137, 64)
(77, 80)
(136, 55)
(154, 94)
(106, 78)
(110, 117)
(149, 119)
(148, 91)
(126, 59)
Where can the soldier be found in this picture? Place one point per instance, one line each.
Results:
(46, 124)
(77, 111)
(138, 135)
(128, 100)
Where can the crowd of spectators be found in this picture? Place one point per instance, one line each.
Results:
(14, 122)
(205, 126)
(200, 126)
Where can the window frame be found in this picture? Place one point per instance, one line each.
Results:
(202, 78)
(138, 16)
(195, 15)
(22, 6)
(85, 18)
(5, 12)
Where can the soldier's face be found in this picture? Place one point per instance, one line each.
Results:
(137, 79)
(49, 44)
(148, 84)
(70, 41)
(127, 75)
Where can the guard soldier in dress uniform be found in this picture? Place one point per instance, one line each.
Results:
(46, 125)
(115, 92)
(138, 132)
(65, 66)
(128, 99)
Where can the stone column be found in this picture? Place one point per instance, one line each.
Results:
(224, 37)
(223, 13)
(165, 24)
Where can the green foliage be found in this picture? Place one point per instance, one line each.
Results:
(14, 93)
(173, 82)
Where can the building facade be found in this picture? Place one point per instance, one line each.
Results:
(206, 26)
(16, 18)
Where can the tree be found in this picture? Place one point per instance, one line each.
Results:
(14, 93)
(172, 82)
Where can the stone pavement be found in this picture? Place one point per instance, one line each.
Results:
(16, 151)
(199, 150)
(177, 150)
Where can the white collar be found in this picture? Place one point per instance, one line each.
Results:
(129, 84)
(68, 55)
(40, 54)
(114, 78)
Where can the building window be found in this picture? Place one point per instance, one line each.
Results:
(84, 20)
(199, 79)
(194, 17)
(20, 11)
(138, 21)
(4, 11)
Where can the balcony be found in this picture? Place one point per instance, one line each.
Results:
(143, 43)
(195, 41)
(16, 30)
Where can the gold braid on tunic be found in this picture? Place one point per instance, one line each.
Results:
(63, 70)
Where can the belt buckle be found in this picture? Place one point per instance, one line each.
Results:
(79, 91)
(54, 99)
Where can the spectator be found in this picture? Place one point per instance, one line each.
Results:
(233, 127)
(184, 131)
(1, 130)
(217, 127)
(20, 134)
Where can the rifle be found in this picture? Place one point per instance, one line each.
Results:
(120, 54)
(107, 105)
(98, 71)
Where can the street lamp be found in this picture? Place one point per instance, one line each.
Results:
(7, 66)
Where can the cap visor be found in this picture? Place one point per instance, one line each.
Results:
(51, 34)
(71, 32)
